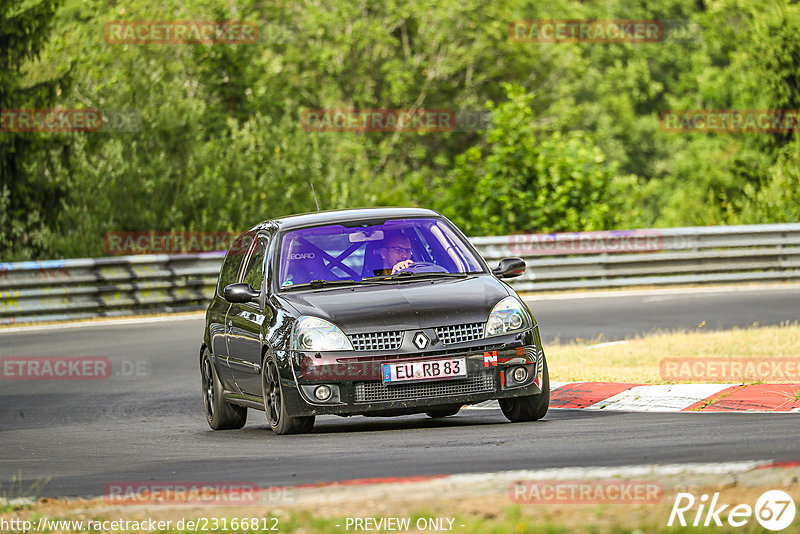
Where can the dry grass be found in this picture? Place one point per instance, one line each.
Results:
(480, 511)
(638, 360)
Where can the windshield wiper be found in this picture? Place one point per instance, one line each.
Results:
(322, 283)
(408, 275)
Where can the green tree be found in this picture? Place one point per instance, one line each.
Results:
(30, 190)
(219, 145)
(528, 180)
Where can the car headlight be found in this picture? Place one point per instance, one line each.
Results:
(507, 316)
(313, 334)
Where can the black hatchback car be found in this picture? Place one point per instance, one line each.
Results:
(377, 312)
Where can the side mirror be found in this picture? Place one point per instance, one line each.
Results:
(509, 268)
(240, 293)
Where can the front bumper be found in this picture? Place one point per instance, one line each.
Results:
(357, 379)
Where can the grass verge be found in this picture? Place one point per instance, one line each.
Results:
(491, 514)
(638, 360)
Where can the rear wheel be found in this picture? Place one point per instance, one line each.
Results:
(220, 414)
(531, 407)
(443, 411)
(275, 407)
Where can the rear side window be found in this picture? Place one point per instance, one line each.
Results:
(233, 261)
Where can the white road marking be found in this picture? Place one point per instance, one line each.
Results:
(659, 398)
(104, 322)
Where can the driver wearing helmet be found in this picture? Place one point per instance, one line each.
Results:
(396, 254)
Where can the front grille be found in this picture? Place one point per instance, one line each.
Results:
(459, 333)
(378, 391)
(377, 340)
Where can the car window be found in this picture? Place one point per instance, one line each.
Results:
(254, 272)
(233, 261)
(354, 252)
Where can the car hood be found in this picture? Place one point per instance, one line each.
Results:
(403, 306)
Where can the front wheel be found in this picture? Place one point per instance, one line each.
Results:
(275, 407)
(531, 407)
(220, 414)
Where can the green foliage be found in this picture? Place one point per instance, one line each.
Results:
(30, 189)
(779, 199)
(217, 144)
(529, 180)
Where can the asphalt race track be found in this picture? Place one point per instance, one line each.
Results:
(145, 423)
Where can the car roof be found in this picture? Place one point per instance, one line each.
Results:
(341, 216)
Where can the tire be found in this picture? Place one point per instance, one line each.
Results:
(275, 408)
(220, 414)
(443, 411)
(531, 407)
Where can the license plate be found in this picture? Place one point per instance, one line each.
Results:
(426, 370)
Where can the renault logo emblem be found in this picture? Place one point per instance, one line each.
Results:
(420, 340)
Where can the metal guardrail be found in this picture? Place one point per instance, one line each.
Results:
(102, 287)
(55, 290)
(690, 255)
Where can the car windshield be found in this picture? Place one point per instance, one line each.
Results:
(395, 249)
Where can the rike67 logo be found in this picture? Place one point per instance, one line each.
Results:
(774, 510)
